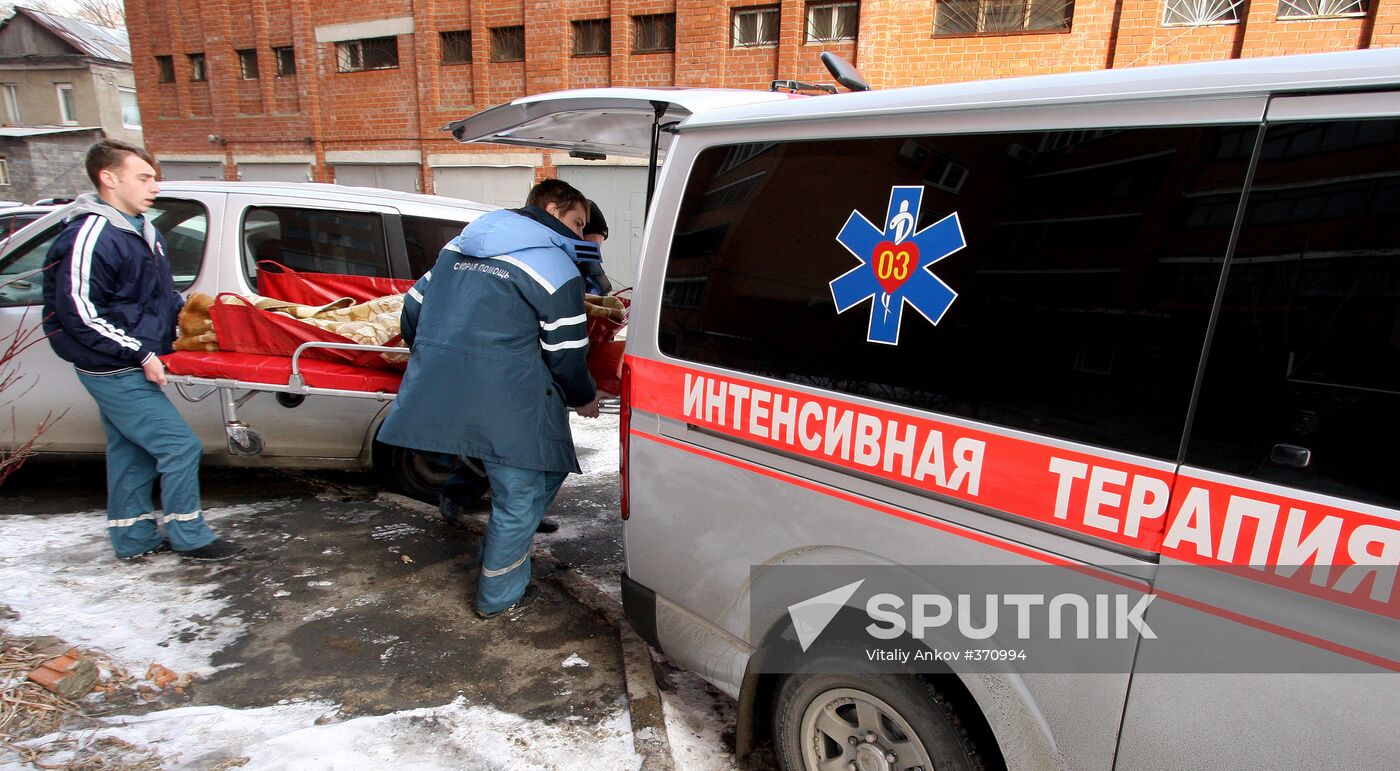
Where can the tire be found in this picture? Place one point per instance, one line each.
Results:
(417, 476)
(817, 716)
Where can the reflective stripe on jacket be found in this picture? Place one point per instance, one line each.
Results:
(500, 346)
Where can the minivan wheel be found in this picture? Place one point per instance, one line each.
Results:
(417, 476)
(867, 722)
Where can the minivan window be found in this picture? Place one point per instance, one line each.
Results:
(315, 240)
(182, 222)
(1306, 353)
(185, 225)
(21, 279)
(424, 237)
(1082, 294)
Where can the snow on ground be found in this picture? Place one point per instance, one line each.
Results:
(697, 716)
(696, 720)
(455, 735)
(58, 573)
(597, 442)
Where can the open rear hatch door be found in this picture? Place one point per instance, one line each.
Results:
(599, 121)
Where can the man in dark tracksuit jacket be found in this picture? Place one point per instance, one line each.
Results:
(110, 308)
(500, 345)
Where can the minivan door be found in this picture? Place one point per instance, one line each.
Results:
(303, 233)
(1288, 536)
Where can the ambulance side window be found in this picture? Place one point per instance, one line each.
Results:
(1083, 291)
(1306, 354)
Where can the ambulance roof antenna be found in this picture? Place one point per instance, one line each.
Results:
(844, 72)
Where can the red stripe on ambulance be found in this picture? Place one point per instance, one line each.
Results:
(1345, 555)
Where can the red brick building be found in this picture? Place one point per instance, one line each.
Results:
(356, 92)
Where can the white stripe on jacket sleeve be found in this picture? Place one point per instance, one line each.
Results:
(566, 344)
(79, 277)
(553, 325)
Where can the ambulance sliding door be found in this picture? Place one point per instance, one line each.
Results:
(1284, 527)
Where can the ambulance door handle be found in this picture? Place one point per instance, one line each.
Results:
(1290, 455)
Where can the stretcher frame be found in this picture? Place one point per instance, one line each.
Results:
(242, 438)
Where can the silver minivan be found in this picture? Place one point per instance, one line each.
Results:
(217, 232)
(1143, 323)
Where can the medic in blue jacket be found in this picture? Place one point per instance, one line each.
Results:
(500, 347)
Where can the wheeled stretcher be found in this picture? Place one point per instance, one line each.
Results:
(238, 377)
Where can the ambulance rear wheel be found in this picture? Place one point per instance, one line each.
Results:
(867, 721)
(413, 474)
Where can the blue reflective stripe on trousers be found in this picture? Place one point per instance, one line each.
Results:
(146, 439)
(519, 499)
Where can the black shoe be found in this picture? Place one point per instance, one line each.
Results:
(453, 513)
(217, 549)
(532, 593)
(548, 526)
(160, 548)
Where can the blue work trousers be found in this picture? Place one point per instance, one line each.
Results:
(519, 499)
(146, 439)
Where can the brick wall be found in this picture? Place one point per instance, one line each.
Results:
(320, 109)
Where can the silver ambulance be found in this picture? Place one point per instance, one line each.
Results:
(1141, 321)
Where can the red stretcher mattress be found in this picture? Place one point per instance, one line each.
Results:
(277, 370)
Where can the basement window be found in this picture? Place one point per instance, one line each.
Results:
(508, 44)
(592, 37)
(456, 46)
(653, 33)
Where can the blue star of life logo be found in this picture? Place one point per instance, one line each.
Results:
(895, 265)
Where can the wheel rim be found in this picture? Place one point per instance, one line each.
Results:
(425, 472)
(846, 729)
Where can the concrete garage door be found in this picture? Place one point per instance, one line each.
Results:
(621, 192)
(504, 186)
(188, 170)
(401, 177)
(273, 172)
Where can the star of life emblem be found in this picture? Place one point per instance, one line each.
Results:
(895, 265)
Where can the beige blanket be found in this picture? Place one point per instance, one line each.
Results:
(369, 323)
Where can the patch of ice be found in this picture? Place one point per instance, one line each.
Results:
(283, 593)
(320, 583)
(58, 572)
(317, 615)
(394, 531)
(574, 660)
(454, 735)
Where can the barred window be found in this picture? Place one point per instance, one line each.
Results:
(198, 70)
(654, 32)
(286, 61)
(165, 65)
(1199, 13)
(456, 46)
(248, 63)
(756, 26)
(372, 53)
(592, 37)
(828, 22)
(969, 17)
(508, 44)
(1320, 9)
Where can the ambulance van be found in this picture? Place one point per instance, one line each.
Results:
(1141, 320)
